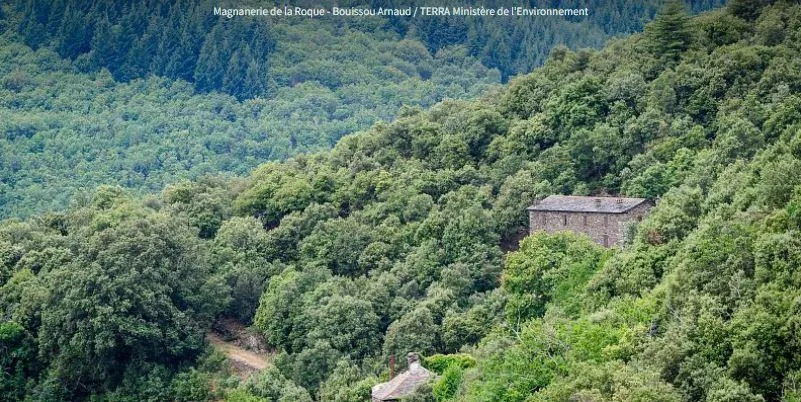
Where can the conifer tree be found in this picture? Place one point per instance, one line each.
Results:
(670, 34)
(103, 49)
(256, 81)
(74, 35)
(32, 25)
(234, 78)
(54, 16)
(139, 58)
(178, 52)
(213, 60)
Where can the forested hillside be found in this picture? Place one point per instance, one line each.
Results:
(129, 93)
(133, 38)
(62, 132)
(391, 243)
(515, 46)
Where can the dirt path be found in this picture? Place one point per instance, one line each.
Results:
(241, 359)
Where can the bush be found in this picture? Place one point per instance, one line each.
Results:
(439, 363)
(447, 386)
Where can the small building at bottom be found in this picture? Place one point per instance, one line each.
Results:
(403, 384)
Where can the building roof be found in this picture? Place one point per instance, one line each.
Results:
(573, 203)
(402, 385)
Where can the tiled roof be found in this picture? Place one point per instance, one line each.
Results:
(402, 385)
(572, 203)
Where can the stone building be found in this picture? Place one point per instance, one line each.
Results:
(403, 384)
(604, 219)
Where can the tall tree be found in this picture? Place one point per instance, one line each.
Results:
(33, 22)
(75, 33)
(104, 49)
(213, 60)
(137, 292)
(670, 34)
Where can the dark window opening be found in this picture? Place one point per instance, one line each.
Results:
(564, 220)
(585, 220)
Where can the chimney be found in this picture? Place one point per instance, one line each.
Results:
(619, 200)
(597, 202)
(391, 366)
(414, 361)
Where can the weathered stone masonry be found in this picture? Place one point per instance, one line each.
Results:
(604, 219)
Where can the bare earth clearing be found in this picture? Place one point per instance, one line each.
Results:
(245, 350)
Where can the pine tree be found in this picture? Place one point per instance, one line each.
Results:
(2, 20)
(32, 25)
(182, 60)
(137, 63)
(260, 38)
(170, 57)
(104, 46)
(213, 60)
(74, 34)
(256, 79)
(55, 17)
(498, 54)
(234, 79)
(670, 33)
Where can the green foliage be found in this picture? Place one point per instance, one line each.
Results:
(191, 386)
(16, 360)
(117, 296)
(509, 372)
(346, 384)
(156, 274)
(152, 131)
(415, 332)
(423, 393)
(195, 94)
(240, 255)
(670, 33)
(182, 42)
(271, 385)
(613, 381)
(549, 269)
(748, 10)
(278, 316)
(348, 324)
(338, 244)
(448, 385)
(241, 395)
(394, 242)
(439, 362)
(152, 382)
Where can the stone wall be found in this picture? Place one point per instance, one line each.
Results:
(606, 229)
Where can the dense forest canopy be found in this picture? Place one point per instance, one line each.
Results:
(65, 133)
(392, 242)
(131, 92)
(184, 40)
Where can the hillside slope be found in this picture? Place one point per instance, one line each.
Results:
(63, 132)
(137, 99)
(389, 243)
(184, 40)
